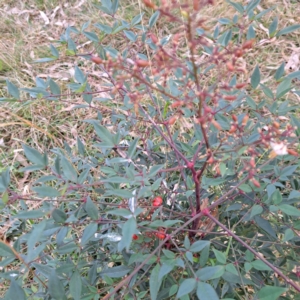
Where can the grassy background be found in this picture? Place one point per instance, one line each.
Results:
(27, 29)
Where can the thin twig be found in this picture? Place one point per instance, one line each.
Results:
(258, 255)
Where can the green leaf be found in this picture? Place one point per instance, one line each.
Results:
(4, 180)
(289, 210)
(34, 156)
(250, 33)
(15, 291)
(186, 287)
(293, 75)
(5, 250)
(137, 19)
(227, 38)
(59, 216)
(120, 212)
(262, 13)
(128, 229)
(37, 91)
(132, 148)
(204, 256)
(32, 168)
(130, 35)
(170, 223)
(153, 19)
(88, 233)
(173, 290)
(68, 170)
(91, 209)
(67, 248)
(154, 282)
(154, 170)
(255, 77)
(224, 21)
(259, 265)
(114, 6)
(116, 272)
(104, 8)
(72, 48)
(119, 192)
(251, 102)
(232, 278)
(31, 214)
(189, 256)
(288, 29)
(249, 255)
(54, 51)
(54, 87)
(168, 253)
(75, 285)
(35, 235)
(277, 197)
(279, 72)
(273, 27)
(247, 267)
(238, 6)
(206, 292)
(220, 256)
(80, 147)
(46, 191)
(12, 89)
(105, 28)
(92, 36)
(56, 287)
(187, 242)
(231, 268)
(270, 292)
(102, 132)
(79, 75)
(209, 273)
(288, 235)
(256, 210)
(45, 59)
(294, 195)
(199, 245)
(245, 187)
(251, 5)
(288, 171)
(117, 179)
(267, 91)
(283, 88)
(165, 269)
(265, 225)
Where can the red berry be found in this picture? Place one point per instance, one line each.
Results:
(157, 201)
(135, 237)
(160, 235)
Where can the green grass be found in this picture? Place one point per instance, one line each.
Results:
(26, 37)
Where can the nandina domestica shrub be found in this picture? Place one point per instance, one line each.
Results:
(190, 121)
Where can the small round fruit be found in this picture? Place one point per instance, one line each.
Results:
(157, 201)
(160, 235)
(135, 237)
